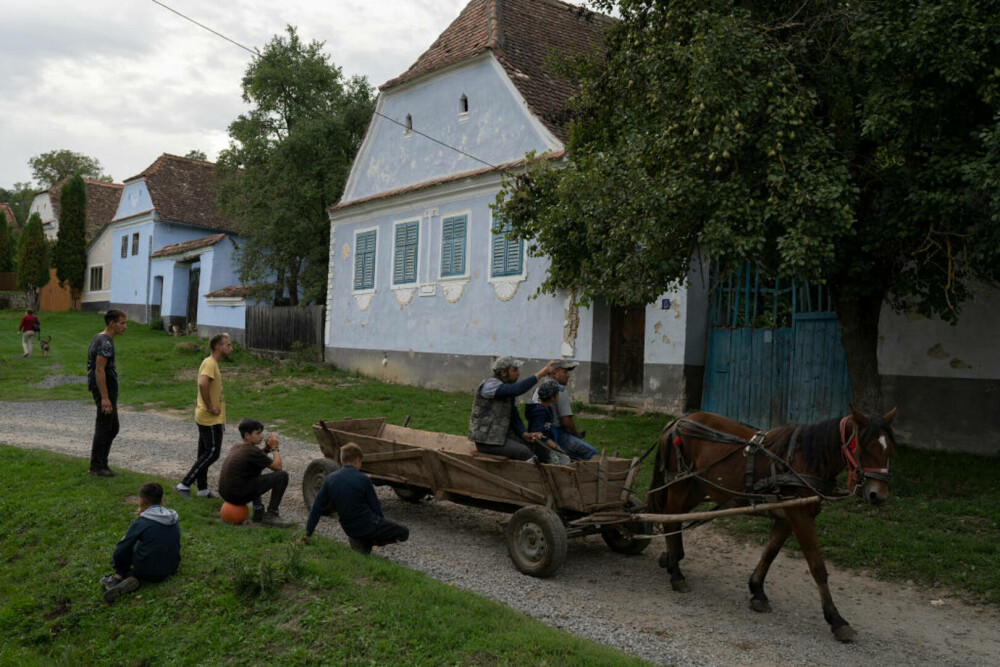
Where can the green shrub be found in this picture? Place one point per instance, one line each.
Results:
(188, 347)
(156, 324)
(263, 576)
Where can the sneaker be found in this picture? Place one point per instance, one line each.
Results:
(104, 472)
(126, 585)
(183, 491)
(204, 493)
(258, 514)
(109, 582)
(274, 520)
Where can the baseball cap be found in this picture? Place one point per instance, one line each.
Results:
(567, 364)
(506, 362)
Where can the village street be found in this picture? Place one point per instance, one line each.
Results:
(622, 602)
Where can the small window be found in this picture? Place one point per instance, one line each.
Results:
(364, 260)
(96, 278)
(453, 233)
(506, 257)
(409, 124)
(404, 255)
(125, 246)
(135, 243)
(463, 104)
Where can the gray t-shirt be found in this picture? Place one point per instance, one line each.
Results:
(102, 345)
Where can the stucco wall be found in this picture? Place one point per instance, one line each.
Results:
(99, 254)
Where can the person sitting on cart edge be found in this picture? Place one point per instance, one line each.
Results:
(352, 495)
(495, 424)
(541, 419)
(241, 481)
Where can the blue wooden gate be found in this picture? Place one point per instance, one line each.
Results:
(774, 353)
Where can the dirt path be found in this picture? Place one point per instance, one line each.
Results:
(623, 602)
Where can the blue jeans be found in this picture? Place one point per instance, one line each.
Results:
(572, 445)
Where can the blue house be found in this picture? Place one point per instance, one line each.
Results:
(171, 250)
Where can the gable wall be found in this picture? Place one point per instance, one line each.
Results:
(98, 254)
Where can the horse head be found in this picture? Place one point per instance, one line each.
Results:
(867, 454)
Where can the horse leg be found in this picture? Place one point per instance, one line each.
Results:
(779, 533)
(804, 527)
(679, 501)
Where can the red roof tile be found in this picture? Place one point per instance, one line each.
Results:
(178, 248)
(231, 291)
(523, 35)
(183, 190)
(102, 202)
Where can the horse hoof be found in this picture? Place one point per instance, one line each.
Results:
(845, 633)
(681, 586)
(762, 606)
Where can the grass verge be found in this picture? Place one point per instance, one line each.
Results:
(243, 595)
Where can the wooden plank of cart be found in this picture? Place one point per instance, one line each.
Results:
(543, 498)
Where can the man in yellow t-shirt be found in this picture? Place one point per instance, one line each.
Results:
(210, 415)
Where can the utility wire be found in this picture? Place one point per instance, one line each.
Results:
(256, 54)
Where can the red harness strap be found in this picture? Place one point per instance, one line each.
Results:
(849, 447)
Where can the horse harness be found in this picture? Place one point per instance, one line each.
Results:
(856, 474)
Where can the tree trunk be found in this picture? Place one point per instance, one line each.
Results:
(859, 318)
(293, 284)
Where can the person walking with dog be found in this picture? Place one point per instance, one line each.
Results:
(102, 380)
(209, 415)
(28, 328)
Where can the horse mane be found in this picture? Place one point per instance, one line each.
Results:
(815, 440)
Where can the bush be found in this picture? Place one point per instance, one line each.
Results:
(264, 576)
(156, 324)
(188, 347)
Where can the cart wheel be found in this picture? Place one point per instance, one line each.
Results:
(621, 538)
(411, 494)
(536, 541)
(312, 481)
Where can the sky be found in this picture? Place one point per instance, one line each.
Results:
(125, 81)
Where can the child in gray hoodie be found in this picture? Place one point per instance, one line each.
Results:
(151, 548)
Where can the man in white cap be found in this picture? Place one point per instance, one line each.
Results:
(569, 439)
(495, 424)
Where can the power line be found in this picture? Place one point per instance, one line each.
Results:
(256, 54)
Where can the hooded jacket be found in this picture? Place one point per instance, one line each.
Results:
(151, 548)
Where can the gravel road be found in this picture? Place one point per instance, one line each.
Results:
(614, 600)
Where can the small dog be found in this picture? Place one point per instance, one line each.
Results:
(45, 344)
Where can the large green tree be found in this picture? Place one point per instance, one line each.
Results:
(287, 161)
(70, 256)
(855, 143)
(50, 168)
(19, 199)
(32, 258)
(5, 258)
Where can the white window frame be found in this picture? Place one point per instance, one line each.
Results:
(513, 277)
(416, 258)
(468, 232)
(354, 260)
(90, 275)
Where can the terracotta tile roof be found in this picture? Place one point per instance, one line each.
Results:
(183, 190)
(178, 248)
(231, 291)
(523, 35)
(416, 187)
(102, 203)
(8, 216)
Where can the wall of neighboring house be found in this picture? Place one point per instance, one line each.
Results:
(497, 128)
(98, 297)
(945, 379)
(42, 205)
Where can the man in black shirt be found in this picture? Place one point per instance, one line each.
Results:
(102, 380)
(241, 481)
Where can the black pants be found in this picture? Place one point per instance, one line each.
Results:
(209, 448)
(386, 532)
(513, 448)
(105, 430)
(276, 482)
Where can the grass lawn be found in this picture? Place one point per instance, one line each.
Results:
(941, 525)
(243, 595)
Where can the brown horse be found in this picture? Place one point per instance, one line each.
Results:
(706, 455)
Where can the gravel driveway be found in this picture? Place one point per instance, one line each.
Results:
(615, 600)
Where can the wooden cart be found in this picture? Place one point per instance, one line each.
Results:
(543, 498)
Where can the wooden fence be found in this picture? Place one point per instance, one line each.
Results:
(8, 282)
(285, 328)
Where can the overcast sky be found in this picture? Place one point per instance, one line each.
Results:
(127, 80)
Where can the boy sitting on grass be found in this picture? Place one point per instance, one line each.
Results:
(151, 548)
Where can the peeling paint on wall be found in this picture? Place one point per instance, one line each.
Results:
(571, 324)
(938, 352)
(657, 327)
(958, 364)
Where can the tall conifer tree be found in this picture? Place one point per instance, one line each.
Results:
(71, 253)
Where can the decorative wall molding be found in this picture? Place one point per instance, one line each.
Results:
(506, 289)
(404, 294)
(364, 300)
(453, 290)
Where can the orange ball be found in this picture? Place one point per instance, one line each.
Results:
(234, 514)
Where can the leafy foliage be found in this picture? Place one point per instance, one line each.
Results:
(5, 244)
(50, 168)
(287, 162)
(19, 199)
(855, 144)
(71, 246)
(32, 256)
(196, 154)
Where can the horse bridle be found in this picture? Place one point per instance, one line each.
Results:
(857, 475)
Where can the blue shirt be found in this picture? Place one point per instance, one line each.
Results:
(352, 495)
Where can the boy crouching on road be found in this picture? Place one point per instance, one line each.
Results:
(151, 548)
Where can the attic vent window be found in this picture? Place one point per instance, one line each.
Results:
(409, 125)
(463, 104)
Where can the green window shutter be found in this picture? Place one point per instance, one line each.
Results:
(364, 260)
(506, 253)
(404, 268)
(453, 246)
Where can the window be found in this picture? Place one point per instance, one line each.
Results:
(96, 278)
(364, 260)
(125, 246)
(453, 231)
(505, 259)
(404, 253)
(409, 125)
(463, 104)
(135, 243)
